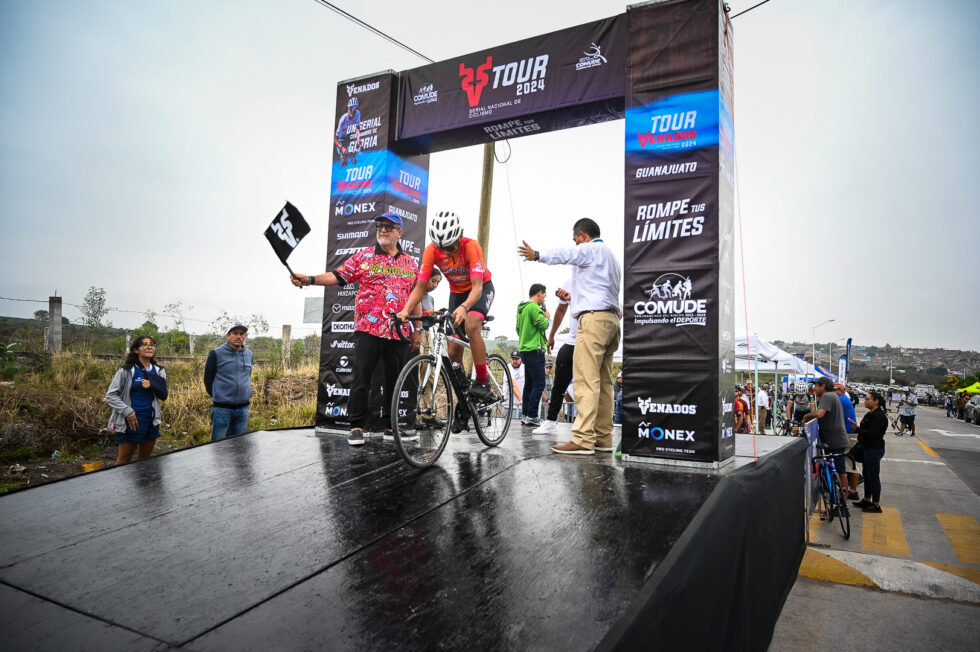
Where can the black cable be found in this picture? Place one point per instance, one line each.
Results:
(372, 29)
(749, 9)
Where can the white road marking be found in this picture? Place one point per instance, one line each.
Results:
(907, 576)
(896, 459)
(953, 434)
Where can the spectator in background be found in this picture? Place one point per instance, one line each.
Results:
(949, 405)
(428, 301)
(228, 381)
(906, 412)
(549, 383)
(849, 413)
(134, 396)
(532, 323)
(740, 408)
(563, 361)
(517, 383)
(830, 415)
(762, 402)
(871, 437)
(852, 478)
(618, 412)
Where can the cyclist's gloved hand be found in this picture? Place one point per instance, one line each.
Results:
(459, 315)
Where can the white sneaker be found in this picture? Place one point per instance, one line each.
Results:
(546, 428)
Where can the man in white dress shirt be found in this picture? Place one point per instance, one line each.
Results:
(597, 276)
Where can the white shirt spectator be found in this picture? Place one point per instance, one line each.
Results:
(762, 399)
(596, 276)
(517, 376)
(908, 406)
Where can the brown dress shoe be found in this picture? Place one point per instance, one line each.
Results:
(571, 448)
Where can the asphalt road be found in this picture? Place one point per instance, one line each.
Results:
(908, 578)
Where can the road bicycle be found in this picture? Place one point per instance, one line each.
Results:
(431, 396)
(831, 492)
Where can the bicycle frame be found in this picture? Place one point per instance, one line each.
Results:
(440, 351)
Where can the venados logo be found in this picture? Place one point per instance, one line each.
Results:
(645, 431)
(353, 89)
(473, 83)
(333, 390)
(528, 75)
(670, 301)
(648, 406)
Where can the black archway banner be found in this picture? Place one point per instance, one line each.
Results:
(663, 66)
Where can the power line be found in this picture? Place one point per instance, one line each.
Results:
(749, 9)
(375, 30)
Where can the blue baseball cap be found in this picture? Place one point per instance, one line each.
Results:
(237, 324)
(391, 217)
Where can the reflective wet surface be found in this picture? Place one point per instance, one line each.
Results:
(294, 540)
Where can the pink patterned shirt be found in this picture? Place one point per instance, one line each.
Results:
(384, 285)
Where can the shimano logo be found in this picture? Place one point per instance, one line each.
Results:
(645, 431)
(341, 344)
(352, 235)
(333, 390)
(426, 95)
(353, 89)
(354, 209)
(648, 406)
(342, 327)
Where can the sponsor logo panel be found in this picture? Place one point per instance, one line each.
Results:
(672, 314)
(679, 122)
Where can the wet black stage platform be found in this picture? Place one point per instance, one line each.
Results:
(290, 540)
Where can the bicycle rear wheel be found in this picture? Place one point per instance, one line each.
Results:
(843, 514)
(422, 411)
(493, 416)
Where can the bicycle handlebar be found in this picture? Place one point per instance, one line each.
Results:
(427, 322)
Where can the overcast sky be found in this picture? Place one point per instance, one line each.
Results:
(145, 146)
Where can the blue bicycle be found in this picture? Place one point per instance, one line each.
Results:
(831, 492)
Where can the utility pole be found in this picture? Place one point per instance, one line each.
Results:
(486, 192)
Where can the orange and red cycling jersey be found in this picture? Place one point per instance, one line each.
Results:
(459, 267)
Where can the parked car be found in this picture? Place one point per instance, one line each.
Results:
(972, 410)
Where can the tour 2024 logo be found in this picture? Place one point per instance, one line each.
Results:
(671, 299)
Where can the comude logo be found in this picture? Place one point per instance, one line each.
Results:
(348, 209)
(649, 406)
(670, 301)
(593, 57)
(342, 327)
(648, 431)
(426, 95)
(527, 74)
(333, 390)
(341, 344)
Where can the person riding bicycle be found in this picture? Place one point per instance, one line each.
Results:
(349, 125)
(798, 402)
(470, 290)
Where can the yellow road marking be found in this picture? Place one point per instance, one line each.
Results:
(814, 525)
(818, 566)
(925, 446)
(884, 533)
(963, 533)
(972, 574)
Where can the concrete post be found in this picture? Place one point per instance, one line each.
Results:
(52, 342)
(190, 343)
(286, 345)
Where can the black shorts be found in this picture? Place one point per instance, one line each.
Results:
(482, 305)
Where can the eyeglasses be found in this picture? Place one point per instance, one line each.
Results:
(387, 227)
(148, 345)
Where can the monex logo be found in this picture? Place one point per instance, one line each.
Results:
(645, 431)
(528, 74)
(670, 301)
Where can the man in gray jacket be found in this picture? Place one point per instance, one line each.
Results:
(227, 379)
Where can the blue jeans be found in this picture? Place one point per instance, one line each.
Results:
(534, 379)
(871, 469)
(228, 421)
(618, 409)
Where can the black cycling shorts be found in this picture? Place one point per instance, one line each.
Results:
(482, 305)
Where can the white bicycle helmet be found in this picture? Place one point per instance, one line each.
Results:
(444, 229)
(800, 387)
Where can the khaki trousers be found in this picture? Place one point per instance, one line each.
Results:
(597, 340)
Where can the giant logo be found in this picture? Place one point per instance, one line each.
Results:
(645, 431)
(670, 300)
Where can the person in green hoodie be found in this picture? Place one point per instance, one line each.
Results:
(532, 322)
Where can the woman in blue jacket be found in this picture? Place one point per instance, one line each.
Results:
(134, 396)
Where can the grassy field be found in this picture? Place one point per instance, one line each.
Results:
(59, 409)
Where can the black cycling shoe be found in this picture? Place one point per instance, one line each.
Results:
(480, 391)
(461, 421)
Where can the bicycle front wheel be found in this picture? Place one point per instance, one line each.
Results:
(422, 411)
(843, 514)
(828, 504)
(493, 416)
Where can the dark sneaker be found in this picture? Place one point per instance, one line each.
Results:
(871, 508)
(480, 391)
(356, 437)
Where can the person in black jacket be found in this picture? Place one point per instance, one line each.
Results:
(871, 438)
